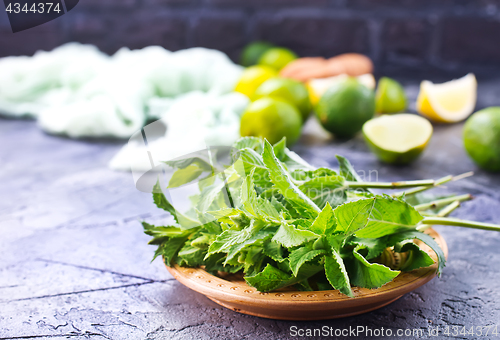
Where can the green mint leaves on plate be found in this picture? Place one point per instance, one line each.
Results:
(282, 223)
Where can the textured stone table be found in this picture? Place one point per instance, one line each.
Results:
(75, 263)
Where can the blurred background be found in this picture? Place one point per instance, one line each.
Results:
(410, 35)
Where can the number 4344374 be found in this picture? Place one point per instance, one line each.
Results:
(47, 7)
(454, 331)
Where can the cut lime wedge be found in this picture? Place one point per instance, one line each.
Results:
(399, 138)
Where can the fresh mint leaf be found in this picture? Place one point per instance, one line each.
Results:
(428, 240)
(270, 278)
(417, 258)
(368, 275)
(170, 248)
(373, 246)
(225, 214)
(190, 256)
(232, 241)
(302, 223)
(347, 170)
(322, 190)
(336, 241)
(162, 203)
(251, 160)
(376, 217)
(283, 182)
(302, 255)
(253, 259)
(161, 234)
(274, 250)
(163, 231)
(304, 175)
(228, 238)
(257, 206)
(256, 238)
(209, 195)
(273, 194)
(336, 273)
(200, 158)
(353, 216)
(202, 241)
(253, 143)
(289, 236)
(324, 222)
(233, 236)
(278, 205)
(280, 148)
(184, 176)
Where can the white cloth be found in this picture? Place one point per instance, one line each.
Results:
(193, 122)
(76, 90)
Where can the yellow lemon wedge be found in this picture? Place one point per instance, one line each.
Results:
(399, 138)
(317, 87)
(448, 102)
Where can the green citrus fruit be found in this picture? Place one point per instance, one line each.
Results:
(345, 107)
(482, 138)
(252, 78)
(399, 138)
(277, 57)
(390, 96)
(252, 52)
(290, 90)
(272, 119)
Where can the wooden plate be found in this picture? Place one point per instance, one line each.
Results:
(232, 292)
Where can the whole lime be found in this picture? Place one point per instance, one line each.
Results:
(252, 78)
(252, 52)
(272, 119)
(390, 96)
(482, 138)
(277, 57)
(290, 90)
(345, 107)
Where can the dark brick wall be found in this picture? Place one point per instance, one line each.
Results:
(406, 34)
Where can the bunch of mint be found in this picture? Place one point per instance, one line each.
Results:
(279, 221)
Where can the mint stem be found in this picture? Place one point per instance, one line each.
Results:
(391, 185)
(448, 209)
(423, 188)
(442, 202)
(458, 223)
(442, 213)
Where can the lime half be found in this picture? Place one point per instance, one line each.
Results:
(397, 139)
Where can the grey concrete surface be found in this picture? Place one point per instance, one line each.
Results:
(74, 262)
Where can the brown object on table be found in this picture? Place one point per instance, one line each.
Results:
(232, 292)
(304, 69)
